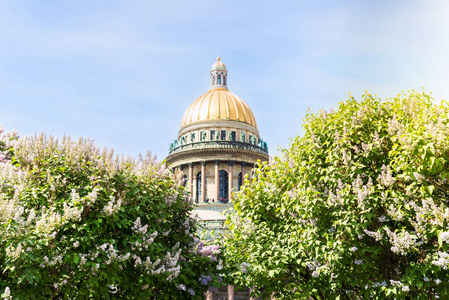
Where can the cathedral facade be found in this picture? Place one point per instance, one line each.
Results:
(217, 146)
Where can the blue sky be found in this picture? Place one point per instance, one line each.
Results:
(124, 72)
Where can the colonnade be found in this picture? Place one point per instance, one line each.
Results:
(192, 179)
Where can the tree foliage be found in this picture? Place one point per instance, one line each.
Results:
(78, 223)
(356, 208)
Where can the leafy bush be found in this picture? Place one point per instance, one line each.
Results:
(356, 208)
(78, 223)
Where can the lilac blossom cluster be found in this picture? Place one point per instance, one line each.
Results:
(386, 178)
(244, 267)
(401, 243)
(404, 288)
(211, 250)
(314, 267)
(112, 207)
(443, 260)
(362, 191)
(7, 293)
(205, 279)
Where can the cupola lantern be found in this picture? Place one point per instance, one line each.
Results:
(218, 75)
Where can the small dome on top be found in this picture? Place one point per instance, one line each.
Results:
(218, 65)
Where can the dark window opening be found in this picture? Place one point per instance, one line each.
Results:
(233, 136)
(198, 187)
(223, 135)
(212, 135)
(219, 79)
(223, 195)
(240, 181)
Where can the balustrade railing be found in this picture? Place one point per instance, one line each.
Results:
(218, 145)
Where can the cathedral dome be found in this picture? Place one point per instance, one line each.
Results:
(217, 130)
(218, 105)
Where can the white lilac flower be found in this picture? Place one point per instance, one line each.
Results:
(7, 293)
(358, 262)
(400, 244)
(376, 235)
(383, 219)
(418, 176)
(314, 274)
(443, 260)
(245, 267)
(112, 208)
(386, 177)
(395, 283)
(437, 281)
(445, 237)
(354, 249)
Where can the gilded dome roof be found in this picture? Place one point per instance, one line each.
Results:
(219, 105)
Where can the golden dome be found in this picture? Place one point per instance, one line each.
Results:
(218, 65)
(218, 105)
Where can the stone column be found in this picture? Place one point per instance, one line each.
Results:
(217, 180)
(203, 181)
(194, 189)
(230, 178)
(243, 172)
(191, 179)
(231, 292)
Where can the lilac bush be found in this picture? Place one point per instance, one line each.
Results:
(356, 208)
(77, 222)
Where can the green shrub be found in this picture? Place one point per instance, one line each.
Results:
(356, 208)
(77, 223)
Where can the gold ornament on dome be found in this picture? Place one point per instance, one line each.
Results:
(218, 65)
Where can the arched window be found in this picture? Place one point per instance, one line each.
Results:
(224, 79)
(223, 185)
(219, 79)
(198, 186)
(184, 180)
(239, 180)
